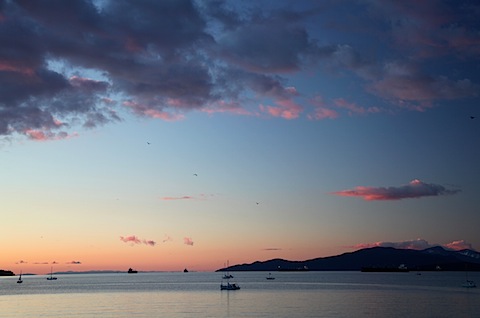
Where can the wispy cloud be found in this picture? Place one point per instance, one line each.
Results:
(201, 196)
(417, 244)
(167, 238)
(188, 241)
(185, 197)
(135, 240)
(415, 189)
(272, 249)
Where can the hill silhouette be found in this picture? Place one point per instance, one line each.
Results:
(435, 258)
(6, 273)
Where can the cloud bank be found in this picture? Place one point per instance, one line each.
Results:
(415, 189)
(135, 240)
(86, 63)
(418, 244)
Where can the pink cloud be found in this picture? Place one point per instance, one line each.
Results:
(415, 189)
(167, 238)
(323, 113)
(417, 244)
(187, 241)
(285, 108)
(135, 240)
(222, 106)
(46, 135)
(149, 111)
(88, 83)
(6, 67)
(354, 108)
(459, 245)
(405, 83)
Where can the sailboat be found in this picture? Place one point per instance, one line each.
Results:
(228, 285)
(468, 283)
(19, 281)
(51, 277)
(227, 275)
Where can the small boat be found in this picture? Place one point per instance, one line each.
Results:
(132, 271)
(270, 277)
(19, 281)
(185, 270)
(51, 277)
(469, 284)
(227, 275)
(229, 286)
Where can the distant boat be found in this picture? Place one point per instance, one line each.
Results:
(19, 281)
(131, 271)
(270, 277)
(51, 277)
(469, 284)
(229, 286)
(185, 270)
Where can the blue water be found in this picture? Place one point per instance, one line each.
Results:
(291, 294)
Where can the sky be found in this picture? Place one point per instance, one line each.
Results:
(163, 135)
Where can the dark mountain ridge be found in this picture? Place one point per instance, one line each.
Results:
(434, 258)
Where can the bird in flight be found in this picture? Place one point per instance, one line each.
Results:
(148, 143)
(472, 117)
(196, 175)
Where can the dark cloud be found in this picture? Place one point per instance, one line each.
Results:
(415, 189)
(162, 59)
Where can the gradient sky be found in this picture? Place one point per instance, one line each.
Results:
(161, 135)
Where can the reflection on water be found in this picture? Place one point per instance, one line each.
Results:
(306, 294)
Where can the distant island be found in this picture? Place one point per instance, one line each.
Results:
(90, 272)
(6, 273)
(381, 259)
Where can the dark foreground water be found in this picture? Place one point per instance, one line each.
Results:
(291, 294)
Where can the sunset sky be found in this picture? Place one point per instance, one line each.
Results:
(161, 135)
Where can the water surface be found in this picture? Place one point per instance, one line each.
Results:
(291, 294)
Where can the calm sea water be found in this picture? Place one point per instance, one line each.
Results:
(291, 294)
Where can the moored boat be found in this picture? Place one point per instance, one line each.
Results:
(469, 284)
(229, 286)
(51, 277)
(19, 281)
